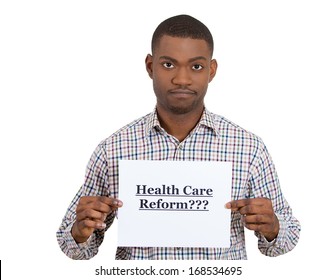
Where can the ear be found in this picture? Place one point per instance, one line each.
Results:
(213, 69)
(149, 65)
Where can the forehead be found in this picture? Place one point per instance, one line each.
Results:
(176, 46)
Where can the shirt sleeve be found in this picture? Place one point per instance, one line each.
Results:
(264, 182)
(95, 184)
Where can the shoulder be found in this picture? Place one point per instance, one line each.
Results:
(133, 130)
(234, 133)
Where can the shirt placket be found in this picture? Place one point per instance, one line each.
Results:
(179, 153)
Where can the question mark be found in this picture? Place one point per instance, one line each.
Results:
(198, 203)
(192, 203)
(205, 203)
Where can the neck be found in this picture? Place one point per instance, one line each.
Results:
(179, 125)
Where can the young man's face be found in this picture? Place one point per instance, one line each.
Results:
(181, 69)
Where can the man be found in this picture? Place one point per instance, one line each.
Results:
(181, 128)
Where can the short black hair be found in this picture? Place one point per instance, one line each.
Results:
(183, 26)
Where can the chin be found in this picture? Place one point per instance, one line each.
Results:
(179, 110)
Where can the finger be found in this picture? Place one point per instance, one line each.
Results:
(253, 209)
(101, 204)
(104, 216)
(236, 204)
(116, 203)
(91, 224)
(113, 202)
(91, 214)
(92, 199)
(267, 229)
(257, 227)
(257, 219)
(91, 209)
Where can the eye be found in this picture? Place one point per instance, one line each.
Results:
(168, 65)
(197, 67)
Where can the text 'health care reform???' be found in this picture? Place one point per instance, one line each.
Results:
(173, 198)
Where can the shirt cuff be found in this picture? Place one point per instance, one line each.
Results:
(75, 248)
(280, 236)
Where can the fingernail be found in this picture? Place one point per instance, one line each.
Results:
(102, 225)
(117, 203)
(228, 205)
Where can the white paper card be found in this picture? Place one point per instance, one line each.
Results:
(174, 203)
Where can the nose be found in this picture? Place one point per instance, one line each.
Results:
(181, 77)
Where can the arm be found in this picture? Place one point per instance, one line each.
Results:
(266, 211)
(90, 213)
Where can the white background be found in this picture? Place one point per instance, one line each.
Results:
(72, 72)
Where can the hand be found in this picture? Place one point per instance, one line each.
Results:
(91, 213)
(258, 215)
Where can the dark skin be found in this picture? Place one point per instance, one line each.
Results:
(258, 215)
(181, 69)
(91, 213)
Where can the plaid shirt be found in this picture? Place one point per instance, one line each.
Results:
(213, 139)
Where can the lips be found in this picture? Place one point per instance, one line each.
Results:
(182, 92)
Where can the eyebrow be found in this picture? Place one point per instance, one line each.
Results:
(175, 61)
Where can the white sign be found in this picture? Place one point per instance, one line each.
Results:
(174, 203)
